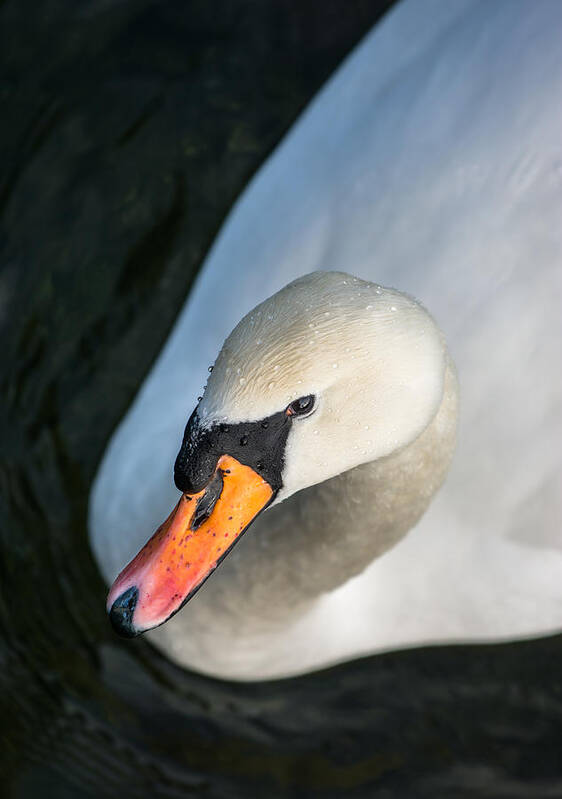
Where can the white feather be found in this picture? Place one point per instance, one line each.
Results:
(432, 162)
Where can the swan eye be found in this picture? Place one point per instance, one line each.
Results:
(301, 406)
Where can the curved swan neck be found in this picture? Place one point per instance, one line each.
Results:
(340, 526)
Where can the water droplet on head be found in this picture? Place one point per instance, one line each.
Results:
(243, 441)
(242, 381)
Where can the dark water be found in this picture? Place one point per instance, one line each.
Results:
(127, 130)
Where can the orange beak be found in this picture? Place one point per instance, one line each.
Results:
(186, 548)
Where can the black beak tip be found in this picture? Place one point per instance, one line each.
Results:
(121, 613)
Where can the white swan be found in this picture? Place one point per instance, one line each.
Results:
(432, 161)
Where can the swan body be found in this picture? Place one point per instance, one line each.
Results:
(432, 162)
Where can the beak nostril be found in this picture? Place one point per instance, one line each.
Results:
(121, 613)
(207, 502)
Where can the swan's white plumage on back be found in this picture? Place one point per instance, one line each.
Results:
(431, 162)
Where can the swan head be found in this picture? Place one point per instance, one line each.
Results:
(329, 373)
(371, 359)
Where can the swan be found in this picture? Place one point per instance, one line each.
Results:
(431, 162)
